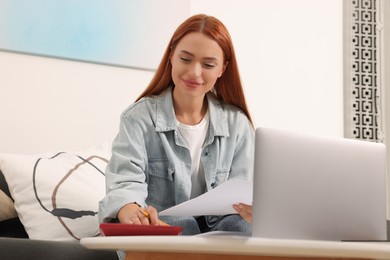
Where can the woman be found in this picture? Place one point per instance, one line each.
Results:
(188, 132)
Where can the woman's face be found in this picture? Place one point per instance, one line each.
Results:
(197, 63)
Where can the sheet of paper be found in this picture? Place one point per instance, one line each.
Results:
(218, 201)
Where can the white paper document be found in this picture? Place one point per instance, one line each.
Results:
(218, 201)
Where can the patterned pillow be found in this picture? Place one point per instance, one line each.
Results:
(57, 194)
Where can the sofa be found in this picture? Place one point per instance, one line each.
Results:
(16, 244)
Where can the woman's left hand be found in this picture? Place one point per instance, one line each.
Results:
(244, 210)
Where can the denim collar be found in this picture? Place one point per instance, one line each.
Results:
(166, 119)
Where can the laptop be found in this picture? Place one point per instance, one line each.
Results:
(318, 188)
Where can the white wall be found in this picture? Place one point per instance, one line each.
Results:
(386, 82)
(49, 104)
(290, 57)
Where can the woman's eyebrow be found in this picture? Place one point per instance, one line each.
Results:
(192, 55)
(187, 52)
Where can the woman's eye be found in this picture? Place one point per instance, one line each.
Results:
(208, 65)
(185, 59)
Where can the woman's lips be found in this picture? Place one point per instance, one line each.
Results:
(191, 83)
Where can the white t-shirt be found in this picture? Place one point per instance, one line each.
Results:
(195, 135)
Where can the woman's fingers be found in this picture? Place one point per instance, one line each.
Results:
(127, 213)
(134, 214)
(244, 210)
(152, 215)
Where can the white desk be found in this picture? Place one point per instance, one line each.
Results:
(239, 247)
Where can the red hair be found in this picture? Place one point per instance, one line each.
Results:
(228, 87)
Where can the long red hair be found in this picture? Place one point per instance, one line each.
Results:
(228, 87)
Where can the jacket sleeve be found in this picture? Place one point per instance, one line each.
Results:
(125, 172)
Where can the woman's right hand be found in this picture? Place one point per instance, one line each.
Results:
(132, 213)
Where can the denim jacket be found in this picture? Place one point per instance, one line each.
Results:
(151, 163)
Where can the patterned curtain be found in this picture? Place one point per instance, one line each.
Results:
(363, 70)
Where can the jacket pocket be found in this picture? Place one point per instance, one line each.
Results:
(161, 187)
(160, 168)
(221, 176)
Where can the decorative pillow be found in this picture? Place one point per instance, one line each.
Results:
(57, 194)
(7, 208)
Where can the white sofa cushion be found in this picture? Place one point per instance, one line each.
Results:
(56, 194)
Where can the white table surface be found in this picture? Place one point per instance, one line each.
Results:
(239, 245)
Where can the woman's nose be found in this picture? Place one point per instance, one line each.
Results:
(196, 69)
